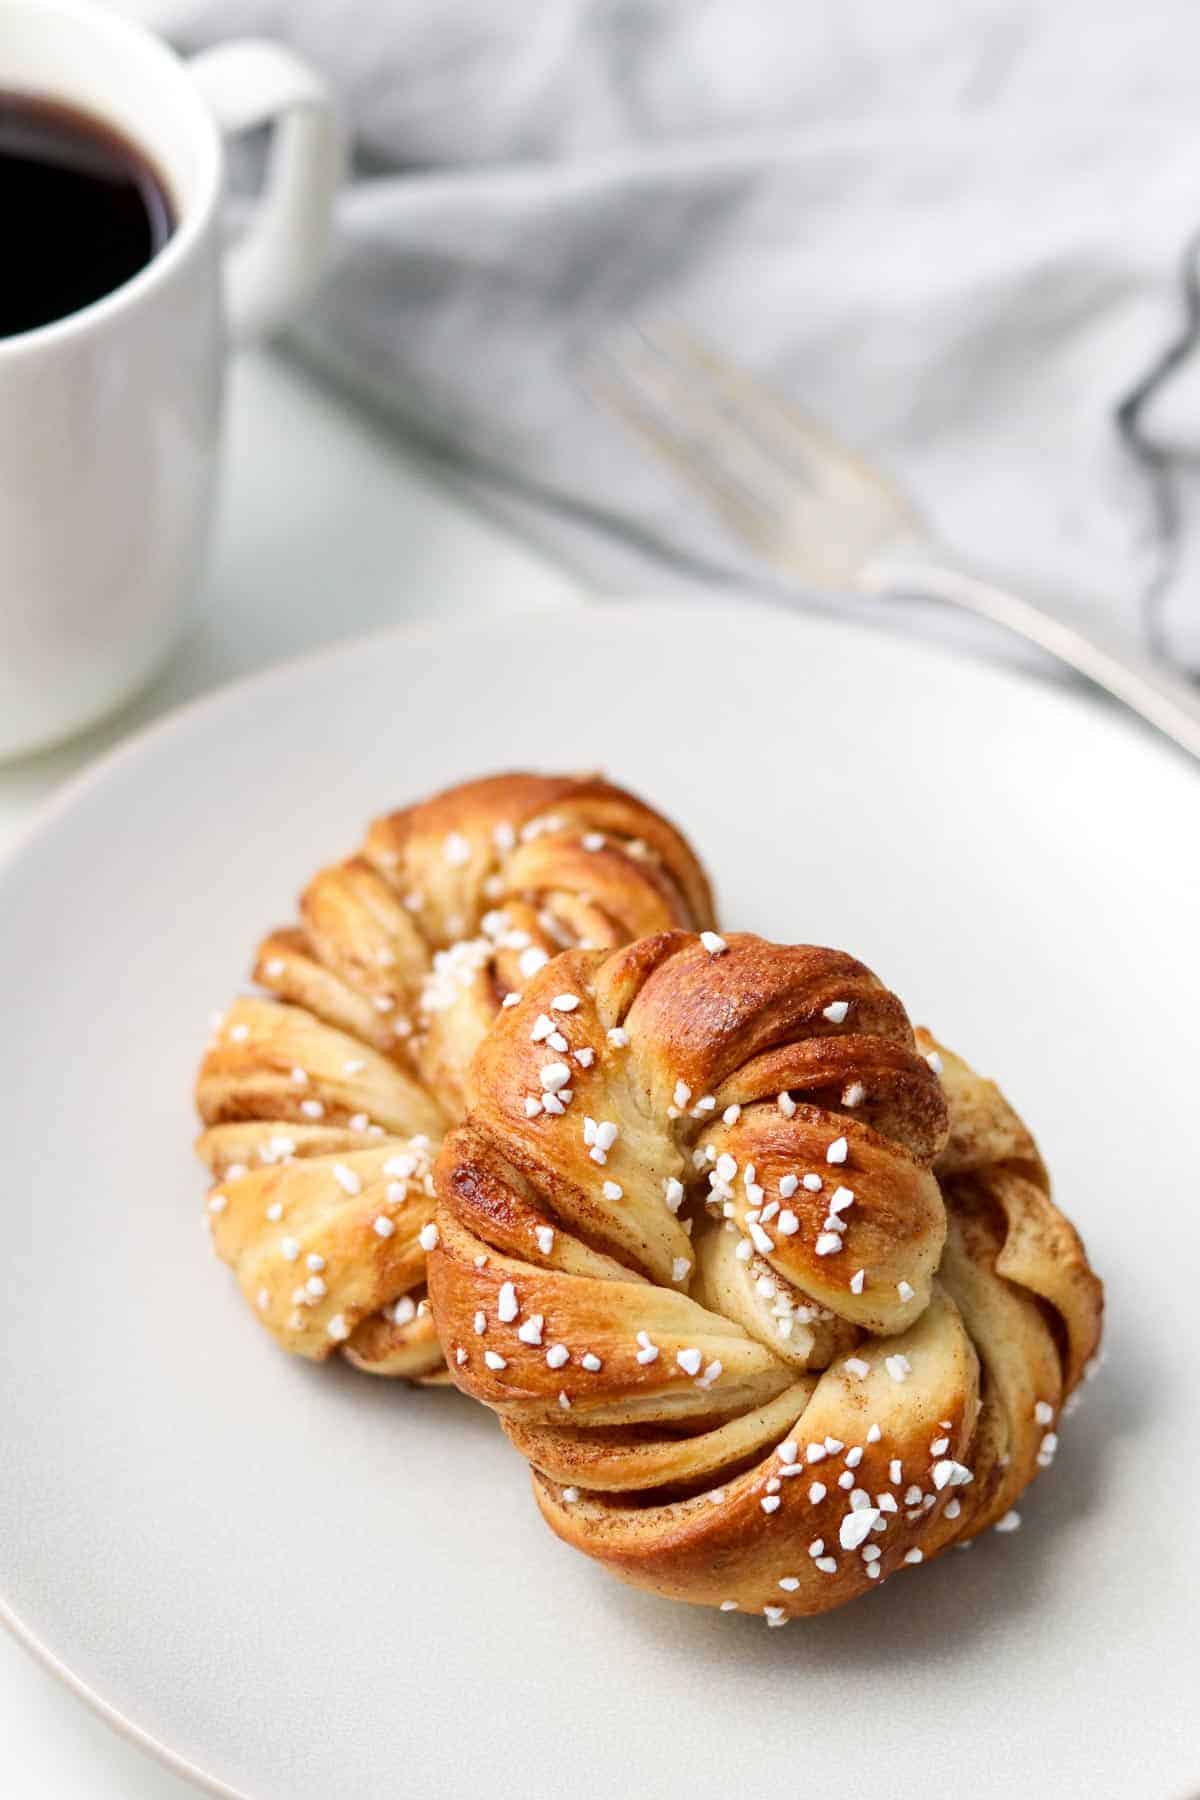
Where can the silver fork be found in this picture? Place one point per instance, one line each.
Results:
(809, 506)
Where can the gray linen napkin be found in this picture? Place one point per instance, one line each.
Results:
(960, 233)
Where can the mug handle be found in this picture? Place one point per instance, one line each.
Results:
(275, 264)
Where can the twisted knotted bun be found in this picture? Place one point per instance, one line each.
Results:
(834, 1366)
(325, 1102)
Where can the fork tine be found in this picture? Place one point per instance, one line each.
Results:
(698, 461)
(691, 411)
(782, 483)
(777, 429)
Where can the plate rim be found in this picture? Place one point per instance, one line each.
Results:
(1069, 697)
(1073, 693)
(111, 1715)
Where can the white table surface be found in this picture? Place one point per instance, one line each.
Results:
(329, 528)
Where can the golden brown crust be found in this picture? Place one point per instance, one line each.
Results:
(323, 1101)
(1020, 1276)
(701, 1263)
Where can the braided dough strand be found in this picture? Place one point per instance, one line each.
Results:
(325, 1096)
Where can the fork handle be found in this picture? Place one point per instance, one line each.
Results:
(1160, 695)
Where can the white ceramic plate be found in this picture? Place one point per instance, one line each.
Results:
(300, 1584)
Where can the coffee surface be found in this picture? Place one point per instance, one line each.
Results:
(82, 210)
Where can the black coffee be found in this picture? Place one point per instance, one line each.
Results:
(81, 211)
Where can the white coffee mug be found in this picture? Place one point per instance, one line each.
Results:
(110, 417)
